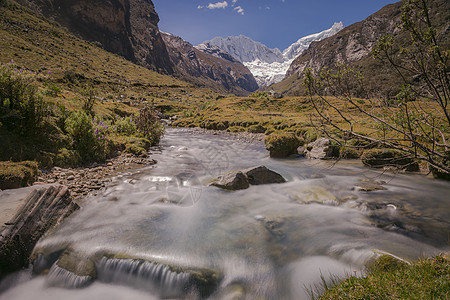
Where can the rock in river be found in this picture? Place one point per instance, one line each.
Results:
(242, 179)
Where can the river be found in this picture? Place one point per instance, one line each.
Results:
(163, 232)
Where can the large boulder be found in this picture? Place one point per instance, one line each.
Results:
(235, 180)
(283, 144)
(322, 148)
(262, 175)
(242, 179)
(380, 158)
(41, 209)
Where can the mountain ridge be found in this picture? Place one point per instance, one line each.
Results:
(354, 44)
(216, 69)
(267, 65)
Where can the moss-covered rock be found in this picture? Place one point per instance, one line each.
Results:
(15, 175)
(349, 153)
(282, 144)
(438, 173)
(379, 158)
(258, 128)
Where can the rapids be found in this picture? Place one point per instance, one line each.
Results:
(163, 232)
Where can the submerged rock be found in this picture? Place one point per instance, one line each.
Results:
(242, 179)
(77, 270)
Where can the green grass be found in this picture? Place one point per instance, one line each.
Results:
(64, 68)
(15, 175)
(424, 279)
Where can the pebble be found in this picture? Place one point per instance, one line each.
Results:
(89, 180)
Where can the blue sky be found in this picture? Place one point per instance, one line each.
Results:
(275, 23)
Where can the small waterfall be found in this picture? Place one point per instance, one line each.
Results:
(60, 277)
(154, 277)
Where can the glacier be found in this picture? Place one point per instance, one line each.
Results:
(267, 65)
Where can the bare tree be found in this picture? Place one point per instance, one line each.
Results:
(417, 122)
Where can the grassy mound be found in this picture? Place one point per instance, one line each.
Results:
(425, 279)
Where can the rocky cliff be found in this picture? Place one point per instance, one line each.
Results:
(125, 27)
(353, 45)
(214, 68)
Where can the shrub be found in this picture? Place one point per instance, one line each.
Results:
(88, 100)
(67, 158)
(148, 124)
(81, 129)
(19, 99)
(282, 144)
(125, 126)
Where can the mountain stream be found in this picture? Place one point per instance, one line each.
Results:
(163, 232)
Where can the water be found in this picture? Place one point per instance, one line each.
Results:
(163, 232)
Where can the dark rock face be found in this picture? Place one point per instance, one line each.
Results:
(125, 27)
(262, 175)
(349, 45)
(242, 179)
(43, 208)
(353, 46)
(216, 69)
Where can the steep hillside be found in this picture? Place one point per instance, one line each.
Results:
(353, 45)
(125, 27)
(67, 72)
(215, 69)
(69, 63)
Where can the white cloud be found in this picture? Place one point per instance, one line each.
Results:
(234, 2)
(217, 5)
(200, 6)
(239, 10)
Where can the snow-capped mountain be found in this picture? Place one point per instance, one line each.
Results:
(245, 49)
(267, 65)
(302, 44)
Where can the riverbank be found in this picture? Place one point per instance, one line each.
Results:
(89, 180)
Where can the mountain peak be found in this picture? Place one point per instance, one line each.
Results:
(302, 44)
(267, 65)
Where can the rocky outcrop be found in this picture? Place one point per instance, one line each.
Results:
(125, 27)
(215, 69)
(322, 148)
(353, 45)
(242, 179)
(42, 209)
